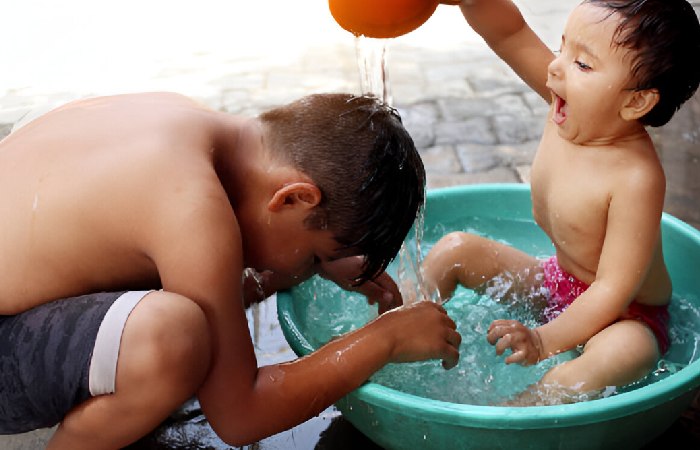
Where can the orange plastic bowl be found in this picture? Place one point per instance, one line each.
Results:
(381, 18)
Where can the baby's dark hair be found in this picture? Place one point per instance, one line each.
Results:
(664, 36)
(358, 153)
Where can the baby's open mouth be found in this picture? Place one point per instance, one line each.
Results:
(559, 110)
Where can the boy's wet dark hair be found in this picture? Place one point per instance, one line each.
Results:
(357, 151)
(664, 36)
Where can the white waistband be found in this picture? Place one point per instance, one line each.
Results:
(103, 365)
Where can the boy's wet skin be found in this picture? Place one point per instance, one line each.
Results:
(676, 142)
(153, 191)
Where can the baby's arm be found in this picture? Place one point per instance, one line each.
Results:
(503, 28)
(631, 240)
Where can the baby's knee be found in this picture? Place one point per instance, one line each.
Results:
(458, 243)
(449, 252)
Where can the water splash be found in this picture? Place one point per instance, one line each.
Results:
(372, 64)
(255, 277)
(410, 273)
(481, 377)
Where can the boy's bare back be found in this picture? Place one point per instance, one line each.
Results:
(81, 186)
(147, 191)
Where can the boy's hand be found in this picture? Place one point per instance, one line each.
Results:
(382, 290)
(525, 344)
(421, 331)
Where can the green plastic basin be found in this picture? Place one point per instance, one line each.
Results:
(397, 420)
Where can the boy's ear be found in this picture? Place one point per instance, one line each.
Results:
(639, 103)
(303, 194)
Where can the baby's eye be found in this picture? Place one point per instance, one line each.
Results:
(583, 66)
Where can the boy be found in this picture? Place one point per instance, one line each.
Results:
(156, 196)
(597, 190)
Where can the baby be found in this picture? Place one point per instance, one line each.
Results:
(597, 190)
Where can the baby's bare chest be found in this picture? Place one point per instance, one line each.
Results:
(570, 203)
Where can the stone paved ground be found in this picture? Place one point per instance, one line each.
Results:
(473, 120)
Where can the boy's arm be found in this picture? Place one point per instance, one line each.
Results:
(504, 29)
(198, 254)
(382, 290)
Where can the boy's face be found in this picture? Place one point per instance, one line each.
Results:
(290, 249)
(590, 79)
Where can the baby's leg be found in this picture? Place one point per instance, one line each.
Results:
(620, 354)
(472, 260)
(163, 358)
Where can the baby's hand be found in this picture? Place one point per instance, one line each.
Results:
(524, 343)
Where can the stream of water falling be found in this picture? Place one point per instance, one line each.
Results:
(371, 62)
(374, 79)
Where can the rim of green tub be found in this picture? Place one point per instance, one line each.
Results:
(500, 417)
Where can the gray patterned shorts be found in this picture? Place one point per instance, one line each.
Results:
(46, 357)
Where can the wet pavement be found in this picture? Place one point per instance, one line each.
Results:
(472, 119)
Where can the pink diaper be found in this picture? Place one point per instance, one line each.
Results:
(564, 288)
